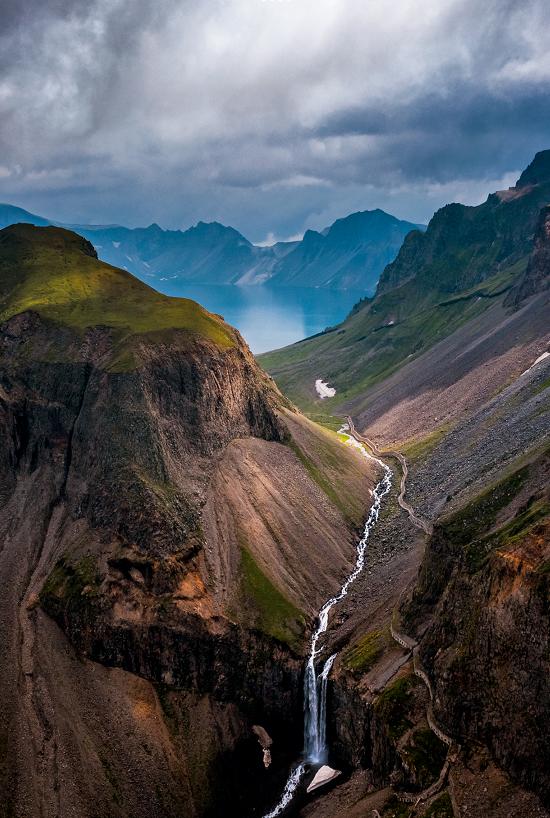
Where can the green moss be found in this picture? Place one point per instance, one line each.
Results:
(71, 586)
(272, 613)
(331, 422)
(425, 755)
(361, 656)
(421, 447)
(472, 526)
(52, 272)
(392, 706)
(469, 526)
(440, 808)
(542, 387)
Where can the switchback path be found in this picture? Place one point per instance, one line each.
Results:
(417, 521)
(406, 642)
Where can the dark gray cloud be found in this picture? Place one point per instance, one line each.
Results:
(272, 115)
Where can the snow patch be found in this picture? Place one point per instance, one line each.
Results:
(324, 390)
(537, 361)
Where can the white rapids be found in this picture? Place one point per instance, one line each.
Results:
(315, 684)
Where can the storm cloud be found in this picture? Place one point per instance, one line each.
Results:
(270, 115)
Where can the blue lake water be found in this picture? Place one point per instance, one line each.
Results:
(269, 317)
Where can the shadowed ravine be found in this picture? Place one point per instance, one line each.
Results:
(315, 684)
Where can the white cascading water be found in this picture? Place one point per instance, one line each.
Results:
(315, 686)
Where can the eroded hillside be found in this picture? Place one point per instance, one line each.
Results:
(168, 527)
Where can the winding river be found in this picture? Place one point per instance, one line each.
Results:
(315, 682)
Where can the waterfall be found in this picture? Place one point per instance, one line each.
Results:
(323, 709)
(315, 686)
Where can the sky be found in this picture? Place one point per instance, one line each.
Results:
(273, 116)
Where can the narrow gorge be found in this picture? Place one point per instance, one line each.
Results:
(315, 683)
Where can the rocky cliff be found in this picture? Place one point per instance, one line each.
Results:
(128, 519)
(537, 275)
(484, 589)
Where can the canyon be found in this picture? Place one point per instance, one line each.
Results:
(173, 520)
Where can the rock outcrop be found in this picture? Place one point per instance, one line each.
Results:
(537, 274)
(484, 585)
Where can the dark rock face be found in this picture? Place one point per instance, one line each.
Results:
(537, 275)
(117, 435)
(537, 171)
(485, 583)
(108, 471)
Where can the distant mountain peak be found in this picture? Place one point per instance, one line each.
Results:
(349, 254)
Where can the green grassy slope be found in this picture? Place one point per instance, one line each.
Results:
(440, 280)
(375, 340)
(55, 273)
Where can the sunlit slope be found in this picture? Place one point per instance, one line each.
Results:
(56, 273)
(377, 339)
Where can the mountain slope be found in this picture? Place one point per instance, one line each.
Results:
(350, 254)
(160, 568)
(9, 214)
(465, 262)
(448, 365)
(82, 292)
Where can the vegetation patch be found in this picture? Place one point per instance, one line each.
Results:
(361, 656)
(425, 755)
(420, 448)
(393, 704)
(541, 387)
(71, 586)
(326, 471)
(480, 515)
(271, 611)
(471, 526)
(55, 273)
(361, 358)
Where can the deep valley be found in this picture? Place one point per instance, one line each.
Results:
(173, 519)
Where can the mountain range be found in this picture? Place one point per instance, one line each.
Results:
(172, 526)
(350, 254)
(469, 262)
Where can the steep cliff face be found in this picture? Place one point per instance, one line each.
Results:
(125, 517)
(463, 246)
(484, 586)
(537, 274)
